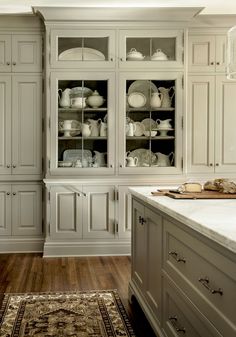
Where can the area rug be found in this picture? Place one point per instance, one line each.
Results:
(73, 314)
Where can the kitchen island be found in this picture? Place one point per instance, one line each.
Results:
(184, 263)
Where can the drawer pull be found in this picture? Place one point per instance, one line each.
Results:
(205, 282)
(174, 320)
(141, 220)
(175, 256)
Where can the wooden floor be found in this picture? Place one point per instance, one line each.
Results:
(31, 273)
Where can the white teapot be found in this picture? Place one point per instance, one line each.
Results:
(86, 130)
(163, 124)
(164, 159)
(132, 161)
(64, 98)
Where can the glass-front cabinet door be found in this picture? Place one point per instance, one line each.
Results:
(82, 123)
(86, 48)
(151, 123)
(151, 48)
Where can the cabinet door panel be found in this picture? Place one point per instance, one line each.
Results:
(201, 124)
(5, 209)
(27, 53)
(5, 125)
(225, 138)
(201, 53)
(5, 53)
(138, 245)
(27, 210)
(153, 275)
(124, 212)
(221, 45)
(66, 216)
(98, 212)
(26, 124)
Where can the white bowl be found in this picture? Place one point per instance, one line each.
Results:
(65, 163)
(150, 133)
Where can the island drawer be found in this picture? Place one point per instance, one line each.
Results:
(181, 317)
(204, 274)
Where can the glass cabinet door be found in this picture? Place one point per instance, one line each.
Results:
(151, 123)
(81, 129)
(150, 48)
(87, 48)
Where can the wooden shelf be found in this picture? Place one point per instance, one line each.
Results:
(80, 137)
(152, 138)
(149, 109)
(82, 110)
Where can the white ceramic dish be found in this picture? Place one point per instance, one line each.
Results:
(145, 157)
(145, 87)
(149, 124)
(80, 92)
(81, 54)
(137, 100)
(75, 154)
(150, 133)
(140, 128)
(65, 164)
(73, 131)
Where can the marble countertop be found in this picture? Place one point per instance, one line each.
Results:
(214, 218)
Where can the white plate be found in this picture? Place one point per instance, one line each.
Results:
(75, 154)
(81, 54)
(149, 124)
(137, 100)
(80, 92)
(145, 157)
(145, 87)
(140, 128)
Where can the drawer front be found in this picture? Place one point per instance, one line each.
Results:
(180, 317)
(195, 265)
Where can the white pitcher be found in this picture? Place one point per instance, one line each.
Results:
(163, 124)
(156, 100)
(64, 97)
(95, 127)
(86, 130)
(103, 129)
(164, 159)
(132, 161)
(99, 158)
(131, 128)
(166, 101)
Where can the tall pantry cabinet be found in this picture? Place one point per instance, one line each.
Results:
(21, 134)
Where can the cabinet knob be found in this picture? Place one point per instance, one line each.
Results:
(14, 166)
(121, 59)
(212, 63)
(14, 193)
(111, 59)
(8, 166)
(210, 164)
(14, 63)
(8, 63)
(218, 63)
(217, 164)
(8, 193)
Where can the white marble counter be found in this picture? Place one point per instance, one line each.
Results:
(216, 219)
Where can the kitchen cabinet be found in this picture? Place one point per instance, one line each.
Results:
(146, 255)
(149, 132)
(211, 122)
(20, 52)
(21, 209)
(207, 53)
(124, 211)
(151, 48)
(86, 145)
(193, 274)
(21, 125)
(86, 48)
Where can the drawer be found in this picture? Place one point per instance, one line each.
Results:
(180, 317)
(205, 275)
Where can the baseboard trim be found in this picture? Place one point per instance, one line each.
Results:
(58, 249)
(29, 245)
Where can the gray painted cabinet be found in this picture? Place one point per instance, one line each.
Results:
(20, 52)
(21, 125)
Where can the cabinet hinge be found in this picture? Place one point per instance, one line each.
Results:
(49, 228)
(182, 162)
(117, 195)
(49, 123)
(43, 124)
(42, 85)
(183, 39)
(42, 195)
(116, 227)
(182, 82)
(42, 164)
(49, 82)
(49, 196)
(182, 122)
(182, 56)
(49, 163)
(42, 225)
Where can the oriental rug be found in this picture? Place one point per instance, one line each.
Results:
(67, 314)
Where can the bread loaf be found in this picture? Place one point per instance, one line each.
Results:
(191, 187)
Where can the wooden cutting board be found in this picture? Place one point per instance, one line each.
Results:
(191, 195)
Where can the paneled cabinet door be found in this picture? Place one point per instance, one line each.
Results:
(5, 209)
(5, 52)
(26, 124)
(99, 212)
(225, 135)
(5, 124)
(201, 109)
(26, 210)
(138, 245)
(66, 212)
(207, 53)
(124, 210)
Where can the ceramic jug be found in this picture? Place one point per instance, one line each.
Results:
(95, 127)
(164, 159)
(86, 130)
(156, 100)
(103, 129)
(163, 124)
(64, 98)
(132, 161)
(166, 100)
(99, 158)
(131, 128)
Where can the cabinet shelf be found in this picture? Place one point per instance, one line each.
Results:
(149, 109)
(152, 138)
(81, 110)
(80, 137)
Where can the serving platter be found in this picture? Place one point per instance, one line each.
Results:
(75, 154)
(149, 124)
(81, 54)
(145, 157)
(145, 87)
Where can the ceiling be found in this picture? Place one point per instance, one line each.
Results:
(211, 6)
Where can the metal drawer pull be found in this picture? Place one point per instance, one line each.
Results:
(175, 256)
(174, 320)
(141, 220)
(205, 282)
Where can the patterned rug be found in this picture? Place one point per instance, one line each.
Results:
(73, 314)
